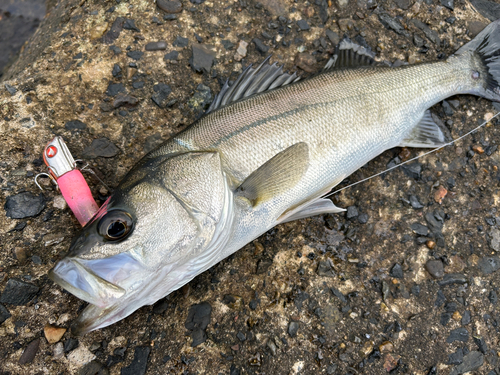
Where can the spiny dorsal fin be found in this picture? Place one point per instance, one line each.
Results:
(350, 55)
(279, 174)
(426, 134)
(252, 81)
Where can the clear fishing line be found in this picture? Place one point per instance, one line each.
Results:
(413, 159)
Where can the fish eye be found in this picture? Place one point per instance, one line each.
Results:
(475, 74)
(115, 225)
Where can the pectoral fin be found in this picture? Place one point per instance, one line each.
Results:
(319, 206)
(277, 175)
(426, 134)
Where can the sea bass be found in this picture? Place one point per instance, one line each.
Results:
(268, 150)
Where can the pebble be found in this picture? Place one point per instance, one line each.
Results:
(345, 24)
(332, 36)
(493, 297)
(139, 363)
(114, 31)
(260, 46)
(339, 295)
(392, 24)
(197, 321)
(303, 25)
(495, 239)
(4, 314)
(471, 362)
(456, 358)
(156, 46)
(325, 269)
(481, 344)
(458, 334)
(101, 147)
(403, 4)
(70, 344)
(419, 229)
(129, 24)
(272, 346)
(397, 271)
(386, 347)
(58, 351)
(93, 368)
(122, 100)
(30, 352)
(453, 278)
(81, 356)
(171, 56)
(202, 58)
(429, 33)
(11, 89)
(293, 328)
(135, 55)
(488, 9)
(75, 125)
(241, 336)
(306, 62)
(466, 318)
(53, 334)
(201, 99)
(488, 265)
(415, 203)
(152, 141)
(435, 268)
(116, 50)
(114, 89)
(180, 42)
(162, 91)
(24, 205)
(18, 292)
(352, 212)
(242, 49)
(448, 4)
(169, 6)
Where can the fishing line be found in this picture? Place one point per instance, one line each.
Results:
(413, 159)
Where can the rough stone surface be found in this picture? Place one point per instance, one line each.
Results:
(101, 147)
(24, 205)
(139, 363)
(18, 292)
(197, 321)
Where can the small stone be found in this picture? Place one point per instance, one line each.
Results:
(11, 89)
(495, 239)
(58, 351)
(471, 362)
(53, 334)
(456, 358)
(456, 316)
(30, 352)
(435, 268)
(415, 203)
(493, 297)
(260, 46)
(466, 318)
(70, 344)
(227, 44)
(241, 336)
(75, 125)
(325, 269)
(331, 369)
(101, 147)
(156, 46)
(430, 34)
(169, 6)
(392, 24)
(386, 347)
(24, 205)
(439, 194)
(303, 25)
(272, 346)
(18, 292)
(345, 24)
(180, 42)
(448, 4)
(397, 271)
(293, 328)
(135, 55)
(332, 36)
(171, 56)
(4, 314)
(93, 368)
(242, 48)
(419, 229)
(430, 244)
(197, 321)
(129, 24)
(459, 334)
(488, 265)
(114, 89)
(352, 212)
(123, 100)
(81, 356)
(116, 50)
(162, 91)
(481, 344)
(201, 99)
(306, 62)
(202, 58)
(139, 363)
(453, 278)
(403, 4)
(391, 362)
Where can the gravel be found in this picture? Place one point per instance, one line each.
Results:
(18, 292)
(24, 205)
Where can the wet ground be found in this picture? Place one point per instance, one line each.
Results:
(405, 282)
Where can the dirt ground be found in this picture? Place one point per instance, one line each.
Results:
(405, 282)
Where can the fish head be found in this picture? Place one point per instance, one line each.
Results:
(161, 227)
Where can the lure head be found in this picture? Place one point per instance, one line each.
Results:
(153, 235)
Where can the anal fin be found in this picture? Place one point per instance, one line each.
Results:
(426, 134)
(319, 206)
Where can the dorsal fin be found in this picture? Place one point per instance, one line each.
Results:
(252, 81)
(350, 55)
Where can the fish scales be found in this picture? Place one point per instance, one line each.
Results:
(254, 163)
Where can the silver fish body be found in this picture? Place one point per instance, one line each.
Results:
(252, 164)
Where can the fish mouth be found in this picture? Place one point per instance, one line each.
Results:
(85, 284)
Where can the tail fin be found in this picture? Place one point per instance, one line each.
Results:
(486, 45)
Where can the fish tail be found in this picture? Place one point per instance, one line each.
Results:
(483, 53)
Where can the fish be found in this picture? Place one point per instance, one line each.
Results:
(267, 151)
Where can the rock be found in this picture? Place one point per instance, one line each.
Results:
(156, 46)
(352, 212)
(412, 170)
(81, 356)
(202, 58)
(123, 100)
(171, 56)
(488, 9)
(180, 42)
(345, 24)
(197, 321)
(293, 328)
(419, 229)
(58, 351)
(466, 317)
(489, 265)
(101, 147)
(139, 363)
(241, 336)
(331, 369)
(403, 4)
(18, 292)
(325, 269)
(135, 55)
(162, 91)
(303, 25)
(242, 49)
(114, 31)
(471, 362)
(75, 125)
(93, 368)
(260, 46)
(333, 36)
(453, 278)
(169, 6)
(30, 352)
(429, 33)
(481, 344)
(306, 62)
(397, 271)
(493, 297)
(459, 334)
(4, 314)
(53, 334)
(448, 4)
(24, 205)
(456, 358)
(495, 239)
(70, 344)
(475, 27)
(392, 24)
(129, 24)
(11, 89)
(201, 99)
(114, 89)
(435, 268)
(415, 203)
(339, 295)
(433, 223)
(152, 141)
